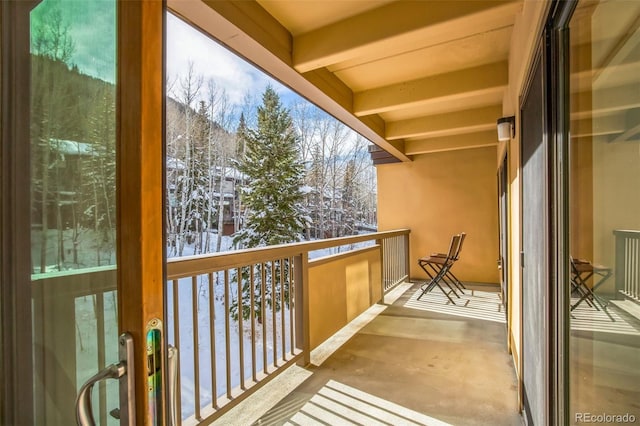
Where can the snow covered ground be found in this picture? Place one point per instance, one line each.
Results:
(205, 322)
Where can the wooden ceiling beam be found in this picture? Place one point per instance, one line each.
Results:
(399, 27)
(585, 73)
(627, 41)
(602, 126)
(605, 101)
(452, 143)
(477, 81)
(458, 122)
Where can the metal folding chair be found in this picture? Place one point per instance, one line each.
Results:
(581, 272)
(436, 268)
(450, 275)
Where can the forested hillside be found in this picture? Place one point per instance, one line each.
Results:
(73, 165)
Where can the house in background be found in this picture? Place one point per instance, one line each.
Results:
(64, 175)
(427, 82)
(230, 180)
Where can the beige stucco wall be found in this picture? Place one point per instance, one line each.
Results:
(441, 194)
(341, 287)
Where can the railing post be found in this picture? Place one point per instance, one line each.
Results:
(380, 243)
(301, 285)
(619, 271)
(407, 259)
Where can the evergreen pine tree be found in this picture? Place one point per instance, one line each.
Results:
(348, 222)
(273, 203)
(241, 137)
(274, 172)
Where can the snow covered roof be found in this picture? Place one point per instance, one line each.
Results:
(225, 194)
(175, 164)
(67, 147)
(229, 173)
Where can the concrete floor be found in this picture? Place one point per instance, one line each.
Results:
(410, 365)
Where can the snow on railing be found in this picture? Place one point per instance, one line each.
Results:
(238, 319)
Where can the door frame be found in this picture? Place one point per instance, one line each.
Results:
(16, 403)
(554, 43)
(559, 110)
(503, 239)
(140, 177)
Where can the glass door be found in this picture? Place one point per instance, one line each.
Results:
(73, 204)
(79, 216)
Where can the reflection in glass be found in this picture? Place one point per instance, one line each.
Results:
(73, 209)
(605, 211)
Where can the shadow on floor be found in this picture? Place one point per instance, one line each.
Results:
(413, 364)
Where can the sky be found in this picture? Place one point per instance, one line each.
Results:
(91, 25)
(186, 44)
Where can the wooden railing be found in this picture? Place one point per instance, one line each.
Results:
(233, 324)
(627, 269)
(395, 260)
(230, 355)
(253, 313)
(75, 328)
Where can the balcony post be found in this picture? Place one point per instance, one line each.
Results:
(383, 275)
(301, 286)
(619, 269)
(407, 259)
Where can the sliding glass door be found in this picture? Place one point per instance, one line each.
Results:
(81, 209)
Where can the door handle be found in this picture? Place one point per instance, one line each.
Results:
(122, 371)
(84, 413)
(172, 373)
